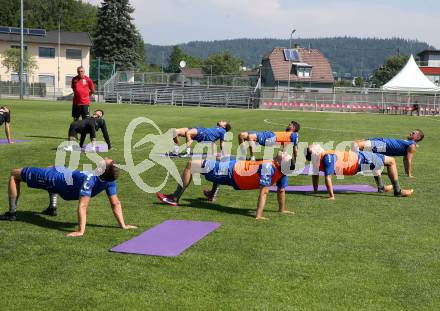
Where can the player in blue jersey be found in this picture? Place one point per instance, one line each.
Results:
(200, 134)
(70, 185)
(393, 147)
(269, 138)
(240, 175)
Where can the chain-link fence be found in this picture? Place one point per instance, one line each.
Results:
(353, 100)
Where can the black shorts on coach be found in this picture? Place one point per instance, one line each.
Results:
(80, 111)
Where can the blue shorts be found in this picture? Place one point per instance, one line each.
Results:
(39, 178)
(370, 161)
(218, 172)
(266, 138)
(200, 137)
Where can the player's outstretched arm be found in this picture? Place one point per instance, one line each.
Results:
(117, 211)
(8, 132)
(329, 185)
(261, 203)
(82, 216)
(407, 160)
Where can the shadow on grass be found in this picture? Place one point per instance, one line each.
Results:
(202, 203)
(38, 219)
(49, 137)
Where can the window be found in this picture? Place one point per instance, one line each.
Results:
(18, 47)
(73, 54)
(307, 72)
(46, 52)
(69, 80)
(48, 79)
(15, 77)
(303, 71)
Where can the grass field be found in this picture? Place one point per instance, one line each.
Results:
(360, 252)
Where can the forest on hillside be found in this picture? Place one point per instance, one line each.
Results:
(348, 56)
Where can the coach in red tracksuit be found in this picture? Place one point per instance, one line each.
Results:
(82, 87)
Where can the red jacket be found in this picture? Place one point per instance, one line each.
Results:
(82, 88)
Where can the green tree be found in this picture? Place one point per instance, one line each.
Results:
(74, 15)
(11, 61)
(222, 64)
(177, 56)
(386, 72)
(116, 37)
(358, 82)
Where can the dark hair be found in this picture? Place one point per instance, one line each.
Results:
(100, 110)
(296, 125)
(111, 172)
(228, 127)
(420, 134)
(308, 154)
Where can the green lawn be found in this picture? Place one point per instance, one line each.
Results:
(360, 252)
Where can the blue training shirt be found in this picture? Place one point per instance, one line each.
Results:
(83, 184)
(210, 134)
(391, 146)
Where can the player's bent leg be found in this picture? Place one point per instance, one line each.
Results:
(390, 163)
(242, 138)
(51, 210)
(173, 199)
(190, 135)
(357, 145)
(13, 194)
(181, 132)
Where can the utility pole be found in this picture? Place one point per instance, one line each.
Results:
(59, 53)
(290, 63)
(99, 77)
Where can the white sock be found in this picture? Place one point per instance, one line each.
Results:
(188, 150)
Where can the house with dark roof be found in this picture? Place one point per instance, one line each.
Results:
(56, 65)
(306, 68)
(429, 63)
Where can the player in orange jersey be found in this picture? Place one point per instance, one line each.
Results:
(348, 163)
(241, 175)
(268, 138)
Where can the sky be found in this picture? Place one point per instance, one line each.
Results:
(169, 22)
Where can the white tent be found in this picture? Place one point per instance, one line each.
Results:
(411, 79)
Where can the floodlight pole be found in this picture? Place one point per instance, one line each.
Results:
(59, 51)
(99, 77)
(21, 51)
(290, 64)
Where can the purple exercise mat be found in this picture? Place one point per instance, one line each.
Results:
(336, 188)
(168, 239)
(307, 170)
(17, 141)
(99, 148)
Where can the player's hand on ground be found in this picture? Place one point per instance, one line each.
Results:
(129, 227)
(75, 234)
